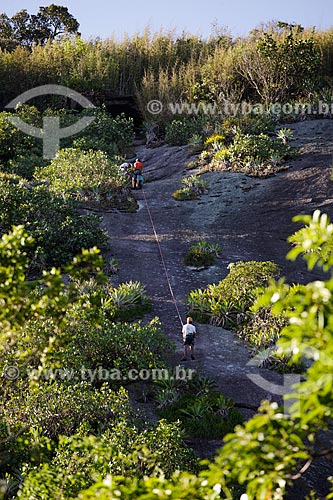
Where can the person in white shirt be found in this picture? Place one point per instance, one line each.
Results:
(126, 169)
(189, 333)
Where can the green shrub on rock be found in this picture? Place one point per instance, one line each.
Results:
(88, 177)
(25, 165)
(251, 124)
(203, 411)
(202, 254)
(14, 142)
(228, 302)
(130, 300)
(126, 302)
(112, 135)
(193, 187)
(262, 328)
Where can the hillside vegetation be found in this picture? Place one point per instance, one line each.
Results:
(280, 62)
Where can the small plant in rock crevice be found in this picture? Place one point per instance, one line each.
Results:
(202, 254)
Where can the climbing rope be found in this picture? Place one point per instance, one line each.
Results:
(162, 258)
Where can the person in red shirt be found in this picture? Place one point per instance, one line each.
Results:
(137, 178)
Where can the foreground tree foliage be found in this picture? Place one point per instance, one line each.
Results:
(227, 303)
(44, 298)
(46, 324)
(122, 450)
(49, 219)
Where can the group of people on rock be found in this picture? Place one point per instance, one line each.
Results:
(134, 172)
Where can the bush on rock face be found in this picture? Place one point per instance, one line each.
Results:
(255, 155)
(182, 130)
(202, 410)
(81, 460)
(13, 142)
(228, 302)
(262, 328)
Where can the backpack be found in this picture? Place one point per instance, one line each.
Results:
(190, 336)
